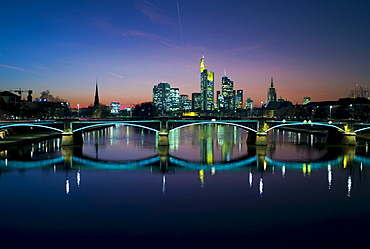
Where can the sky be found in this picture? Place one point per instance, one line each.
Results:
(318, 49)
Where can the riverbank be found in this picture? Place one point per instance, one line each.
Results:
(22, 139)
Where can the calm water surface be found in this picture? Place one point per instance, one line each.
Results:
(209, 188)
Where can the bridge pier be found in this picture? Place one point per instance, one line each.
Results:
(163, 138)
(261, 138)
(163, 133)
(68, 137)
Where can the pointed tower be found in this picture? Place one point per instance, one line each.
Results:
(201, 64)
(271, 94)
(206, 87)
(96, 100)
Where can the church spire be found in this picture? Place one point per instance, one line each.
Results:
(271, 94)
(96, 100)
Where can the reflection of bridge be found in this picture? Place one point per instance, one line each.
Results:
(257, 161)
(72, 157)
(71, 129)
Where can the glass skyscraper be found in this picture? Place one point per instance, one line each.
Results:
(206, 87)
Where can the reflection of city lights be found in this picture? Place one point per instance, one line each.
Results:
(329, 176)
(250, 179)
(163, 184)
(261, 186)
(349, 186)
(213, 170)
(201, 177)
(283, 171)
(54, 168)
(6, 162)
(78, 178)
(67, 186)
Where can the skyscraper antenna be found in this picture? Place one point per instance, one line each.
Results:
(225, 72)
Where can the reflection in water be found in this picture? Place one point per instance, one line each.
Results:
(209, 143)
(227, 143)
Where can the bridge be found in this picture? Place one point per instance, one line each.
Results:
(343, 132)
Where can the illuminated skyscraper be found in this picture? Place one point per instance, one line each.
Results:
(239, 99)
(161, 97)
(115, 108)
(227, 87)
(174, 99)
(206, 87)
(185, 103)
(271, 94)
(195, 101)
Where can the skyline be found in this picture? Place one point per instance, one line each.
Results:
(311, 49)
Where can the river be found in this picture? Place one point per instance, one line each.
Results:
(208, 188)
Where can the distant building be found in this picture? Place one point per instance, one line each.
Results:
(9, 104)
(306, 100)
(185, 103)
(228, 95)
(271, 94)
(249, 104)
(161, 97)
(115, 108)
(174, 99)
(239, 99)
(196, 101)
(206, 87)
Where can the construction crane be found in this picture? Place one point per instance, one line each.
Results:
(20, 91)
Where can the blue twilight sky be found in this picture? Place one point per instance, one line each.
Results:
(311, 48)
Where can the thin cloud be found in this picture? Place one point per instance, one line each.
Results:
(245, 48)
(107, 26)
(40, 67)
(154, 13)
(117, 75)
(17, 68)
(154, 38)
(73, 62)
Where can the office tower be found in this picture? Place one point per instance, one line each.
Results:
(115, 108)
(306, 100)
(206, 87)
(161, 97)
(185, 103)
(227, 87)
(249, 103)
(96, 99)
(239, 99)
(220, 100)
(249, 106)
(196, 101)
(271, 94)
(174, 99)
